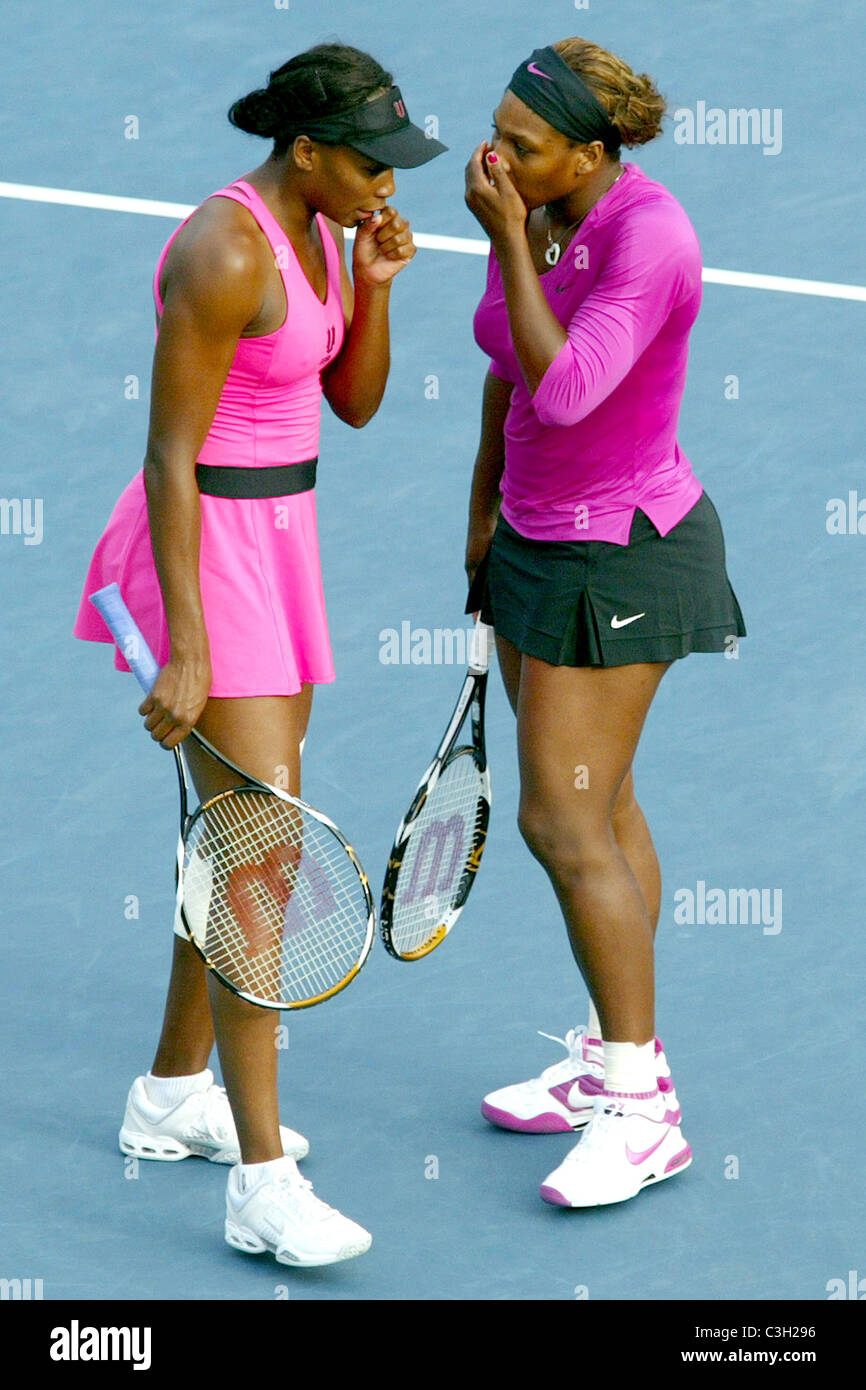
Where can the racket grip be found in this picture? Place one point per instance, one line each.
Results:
(126, 633)
(482, 645)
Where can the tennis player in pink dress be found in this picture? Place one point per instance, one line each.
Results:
(214, 547)
(597, 555)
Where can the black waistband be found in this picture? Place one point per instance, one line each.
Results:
(220, 480)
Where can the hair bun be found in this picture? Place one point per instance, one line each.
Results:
(259, 113)
(329, 77)
(638, 111)
(632, 101)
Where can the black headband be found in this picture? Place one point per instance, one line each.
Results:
(547, 84)
(380, 128)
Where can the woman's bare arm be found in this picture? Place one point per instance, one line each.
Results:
(354, 383)
(489, 462)
(215, 289)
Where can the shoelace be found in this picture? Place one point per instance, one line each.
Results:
(564, 1070)
(597, 1128)
(206, 1124)
(299, 1193)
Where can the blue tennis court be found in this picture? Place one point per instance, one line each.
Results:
(751, 771)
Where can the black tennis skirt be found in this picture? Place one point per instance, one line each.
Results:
(594, 603)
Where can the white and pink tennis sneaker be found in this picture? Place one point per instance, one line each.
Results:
(562, 1097)
(630, 1142)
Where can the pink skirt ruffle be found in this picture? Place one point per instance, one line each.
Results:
(261, 588)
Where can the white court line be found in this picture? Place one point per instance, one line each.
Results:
(469, 246)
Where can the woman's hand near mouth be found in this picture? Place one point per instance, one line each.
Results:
(492, 197)
(383, 246)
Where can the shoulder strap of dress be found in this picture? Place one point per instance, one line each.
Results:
(243, 192)
(230, 191)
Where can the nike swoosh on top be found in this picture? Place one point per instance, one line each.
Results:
(530, 67)
(623, 622)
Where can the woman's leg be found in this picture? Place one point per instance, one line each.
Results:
(187, 1035)
(510, 660)
(578, 730)
(262, 735)
(629, 826)
(634, 839)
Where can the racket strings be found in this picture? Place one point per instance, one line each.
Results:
(272, 897)
(442, 846)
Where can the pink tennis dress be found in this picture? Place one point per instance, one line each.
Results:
(259, 570)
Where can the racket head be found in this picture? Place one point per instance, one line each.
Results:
(270, 893)
(273, 898)
(436, 855)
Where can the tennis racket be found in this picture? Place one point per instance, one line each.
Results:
(270, 893)
(440, 840)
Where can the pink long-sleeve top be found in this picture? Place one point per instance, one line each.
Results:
(598, 438)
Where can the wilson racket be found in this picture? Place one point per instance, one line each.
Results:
(440, 840)
(270, 893)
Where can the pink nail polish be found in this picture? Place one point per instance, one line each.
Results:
(492, 159)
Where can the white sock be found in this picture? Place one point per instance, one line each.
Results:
(630, 1068)
(251, 1174)
(593, 1028)
(168, 1091)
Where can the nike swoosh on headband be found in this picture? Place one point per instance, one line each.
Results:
(530, 67)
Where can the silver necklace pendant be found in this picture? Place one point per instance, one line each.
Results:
(553, 253)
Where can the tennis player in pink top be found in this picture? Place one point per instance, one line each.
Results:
(598, 557)
(214, 547)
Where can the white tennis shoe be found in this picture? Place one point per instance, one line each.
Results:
(630, 1143)
(280, 1213)
(202, 1125)
(563, 1096)
(560, 1099)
